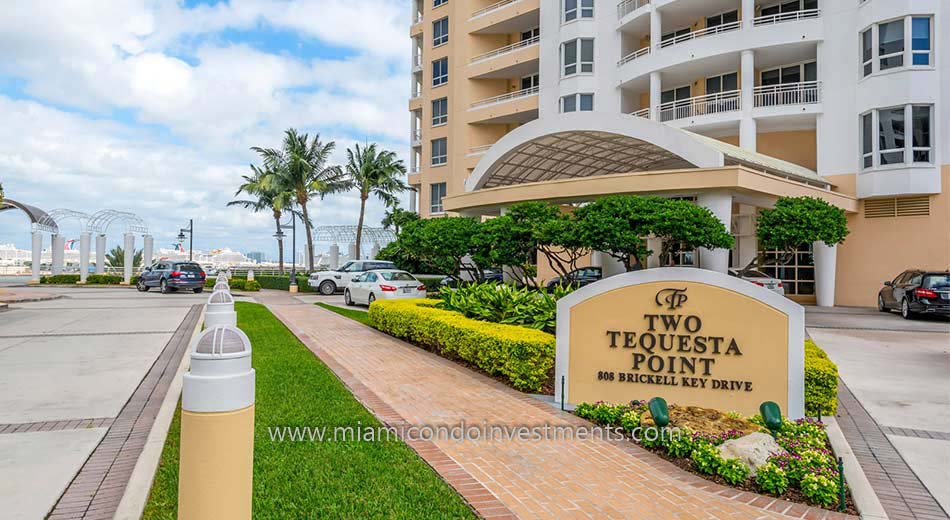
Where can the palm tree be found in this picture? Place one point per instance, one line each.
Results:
(302, 171)
(373, 172)
(116, 257)
(262, 184)
(396, 217)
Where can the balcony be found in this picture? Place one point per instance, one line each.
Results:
(416, 139)
(643, 112)
(514, 107)
(634, 55)
(804, 93)
(511, 61)
(506, 17)
(793, 16)
(417, 63)
(628, 6)
(718, 103)
(702, 33)
(479, 150)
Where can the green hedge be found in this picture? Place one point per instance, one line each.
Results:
(282, 283)
(821, 381)
(236, 284)
(92, 279)
(524, 356)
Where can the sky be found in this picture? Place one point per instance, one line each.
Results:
(151, 106)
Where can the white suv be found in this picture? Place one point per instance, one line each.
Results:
(329, 282)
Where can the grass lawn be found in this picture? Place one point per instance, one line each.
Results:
(314, 479)
(353, 314)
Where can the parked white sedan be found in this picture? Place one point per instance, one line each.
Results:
(759, 278)
(383, 284)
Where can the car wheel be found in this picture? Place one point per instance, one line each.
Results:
(346, 298)
(199, 290)
(371, 299)
(140, 285)
(905, 310)
(164, 286)
(327, 288)
(880, 304)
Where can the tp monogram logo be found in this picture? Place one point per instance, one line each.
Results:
(672, 298)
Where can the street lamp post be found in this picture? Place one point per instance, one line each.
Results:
(191, 238)
(293, 249)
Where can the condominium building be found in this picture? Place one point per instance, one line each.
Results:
(732, 103)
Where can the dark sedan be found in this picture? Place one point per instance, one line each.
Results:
(916, 292)
(578, 277)
(170, 276)
(491, 276)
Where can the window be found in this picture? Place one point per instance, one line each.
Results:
(440, 31)
(438, 193)
(440, 72)
(722, 19)
(570, 56)
(571, 9)
(675, 103)
(575, 102)
(920, 41)
(866, 52)
(440, 154)
(790, 74)
(437, 3)
(674, 34)
(723, 83)
(531, 33)
(890, 47)
(440, 111)
(790, 7)
(531, 81)
(904, 135)
(675, 94)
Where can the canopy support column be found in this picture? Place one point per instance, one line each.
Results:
(84, 242)
(334, 256)
(826, 263)
(100, 253)
(720, 204)
(147, 245)
(129, 250)
(57, 247)
(37, 256)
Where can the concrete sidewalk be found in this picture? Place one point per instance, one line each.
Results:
(68, 367)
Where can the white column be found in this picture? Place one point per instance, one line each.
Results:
(656, 27)
(747, 126)
(656, 245)
(746, 242)
(84, 242)
(334, 256)
(129, 246)
(57, 247)
(148, 244)
(352, 253)
(413, 195)
(374, 252)
(748, 13)
(720, 203)
(100, 253)
(656, 90)
(826, 261)
(37, 255)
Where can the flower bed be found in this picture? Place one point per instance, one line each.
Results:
(806, 473)
(523, 356)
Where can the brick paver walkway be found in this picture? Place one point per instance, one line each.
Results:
(532, 479)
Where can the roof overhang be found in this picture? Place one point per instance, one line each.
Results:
(595, 144)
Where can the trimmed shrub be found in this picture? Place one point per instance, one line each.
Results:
(820, 489)
(771, 478)
(281, 283)
(92, 279)
(524, 356)
(252, 286)
(59, 279)
(733, 471)
(706, 457)
(821, 381)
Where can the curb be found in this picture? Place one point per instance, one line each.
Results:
(30, 299)
(137, 490)
(865, 499)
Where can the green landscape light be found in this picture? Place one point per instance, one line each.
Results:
(659, 411)
(772, 415)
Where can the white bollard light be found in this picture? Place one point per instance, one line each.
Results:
(216, 469)
(250, 275)
(220, 310)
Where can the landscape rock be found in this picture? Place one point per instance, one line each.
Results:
(753, 450)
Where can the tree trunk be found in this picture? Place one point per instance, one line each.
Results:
(280, 244)
(359, 225)
(306, 225)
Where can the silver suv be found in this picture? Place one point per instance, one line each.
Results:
(329, 282)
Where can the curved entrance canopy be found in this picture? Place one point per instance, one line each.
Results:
(39, 219)
(592, 144)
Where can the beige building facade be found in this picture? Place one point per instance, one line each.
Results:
(731, 103)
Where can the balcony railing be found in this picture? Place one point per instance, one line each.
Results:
(506, 49)
(493, 7)
(416, 18)
(792, 16)
(628, 6)
(804, 93)
(417, 61)
(701, 105)
(413, 170)
(639, 53)
(504, 98)
(417, 135)
(479, 150)
(643, 112)
(708, 31)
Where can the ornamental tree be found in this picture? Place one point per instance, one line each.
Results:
(619, 225)
(797, 221)
(551, 232)
(441, 244)
(502, 241)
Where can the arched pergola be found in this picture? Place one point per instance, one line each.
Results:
(58, 241)
(40, 222)
(100, 221)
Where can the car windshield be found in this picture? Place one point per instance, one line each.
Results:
(347, 267)
(752, 273)
(398, 277)
(937, 281)
(189, 268)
